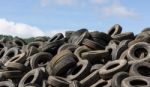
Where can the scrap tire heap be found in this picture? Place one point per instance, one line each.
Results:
(77, 59)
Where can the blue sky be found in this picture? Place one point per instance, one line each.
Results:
(27, 18)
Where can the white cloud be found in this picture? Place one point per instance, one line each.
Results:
(105, 8)
(25, 30)
(19, 29)
(65, 2)
(117, 9)
(44, 3)
(99, 1)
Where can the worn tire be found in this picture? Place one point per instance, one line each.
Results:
(116, 29)
(40, 59)
(140, 69)
(137, 49)
(111, 68)
(58, 81)
(117, 79)
(34, 76)
(136, 81)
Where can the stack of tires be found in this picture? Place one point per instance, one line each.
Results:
(77, 59)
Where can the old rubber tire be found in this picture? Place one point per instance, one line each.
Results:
(111, 68)
(7, 84)
(117, 79)
(135, 51)
(116, 29)
(136, 81)
(102, 83)
(58, 81)
(40, 59)
(33, 76)
(64, 65)
(140, 69)
(80, 71)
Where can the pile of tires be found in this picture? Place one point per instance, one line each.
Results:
(77, 59)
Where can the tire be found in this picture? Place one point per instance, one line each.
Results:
(49, 69)
(102, 83)
(92, 44)
(10, 53)
(56, 37)
(56, 81)
(52, 47)
(3, 51)
(80, 39)
(19, 42)
(2, 45)
(80, 50)
(64, 65)
(13, 74)
(120, 49)
(81, 71)
(31, 85)
(96, 67)
(75, 35)
(137, 49)
(40, 59)
(123, 36)
(41, 39)
(124, 55)
(146, 29)
(31, 51)
(116, 29)
(112, 46)
(35, 44)
(100, 36)
(113, 67)
(20, 58)
(90, 79)
(15, 66)
(68, 34)
(60, 56)
(117, 79)
(7, 84)
(95, 56)
(142, 36)
(140, 69)
(34, 76)
(67, 46)
(136, 81)
(125, 42)
(75, 83)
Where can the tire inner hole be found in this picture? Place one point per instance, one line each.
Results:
(42, 61)
(1, 46)
(2, 53)
(29, 79)
(19, 43)
(112, 66)
(11, 54)
(77, 69)
(138, 82)
(140, 53)
(36, 45)
(102, 84)
(14, 59)
(112, 31)
(144, 70)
